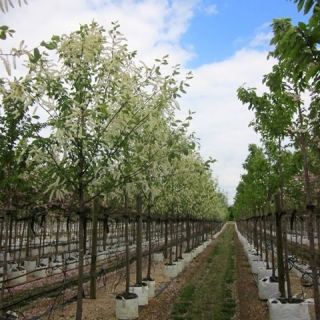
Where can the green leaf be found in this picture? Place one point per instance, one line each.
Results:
(308, 5)
(302, 26)
(36, 54)
(49, 46)
(300, 4)
(312, 71)
(158, 71)
(55, 38)
(171, 156)
(31, 58)
(185, 151)
(3, 35)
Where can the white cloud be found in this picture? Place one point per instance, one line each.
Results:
(221, 121)
(154, 28)
(261, 39)
(211, 10)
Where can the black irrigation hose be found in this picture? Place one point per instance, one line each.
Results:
(66, 284)
(100, 273)
(59, 307)
(29, 296)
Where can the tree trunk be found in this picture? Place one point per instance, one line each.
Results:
(139, 241)
(260, 237)
(126, 234)
(188, 235)
(94, 244)
(5, 262)
(150, 233)
(82, 219)
(85, 226)
(80, 267)
(255, 234)
(105, 232)
(272, 252)
(181, 238)
(281, 277)
(149, 224)
(193, 234)
(177, 240)
(310, 208)
(166, 233)
(171, 238)
(285, 244)
(265, 241)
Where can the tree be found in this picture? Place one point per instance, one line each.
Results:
(95, 101)
(5, 4)
(16, 128)
(6, 31)
(296, 48)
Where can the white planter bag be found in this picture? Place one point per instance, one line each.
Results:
(170, 271)
(288, 311)
(264, 272)
(187, 257)
(142, 292)
(71, 264)
(30, 265)
(268, 289)
(17, 276)
(101, 255)
(158, 257)
(179, 266)
(151, 288)
(127, 308)
(40, 272)
(255, 264)
(182, 263)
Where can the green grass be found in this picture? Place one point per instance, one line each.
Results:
(186, 296)
(209, 295)
(187, 291)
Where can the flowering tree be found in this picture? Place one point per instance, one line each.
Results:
(95, 98)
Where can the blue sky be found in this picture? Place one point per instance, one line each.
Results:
(221, 27)
(224, 43)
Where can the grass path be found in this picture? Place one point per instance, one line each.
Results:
(209, 294)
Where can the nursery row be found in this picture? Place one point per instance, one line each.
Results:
(49, 259)
(268, 261)
(280, 308)
(127, 306)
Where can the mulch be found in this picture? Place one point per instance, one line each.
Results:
(249, 307)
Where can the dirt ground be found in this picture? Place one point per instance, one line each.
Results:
(245, 291)
(249, 307)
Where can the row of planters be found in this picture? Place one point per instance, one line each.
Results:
(271, 256)
(38, 255)
(136, 237)
(23, 238)
(284, 171)
(189, 237)
(127, 304)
